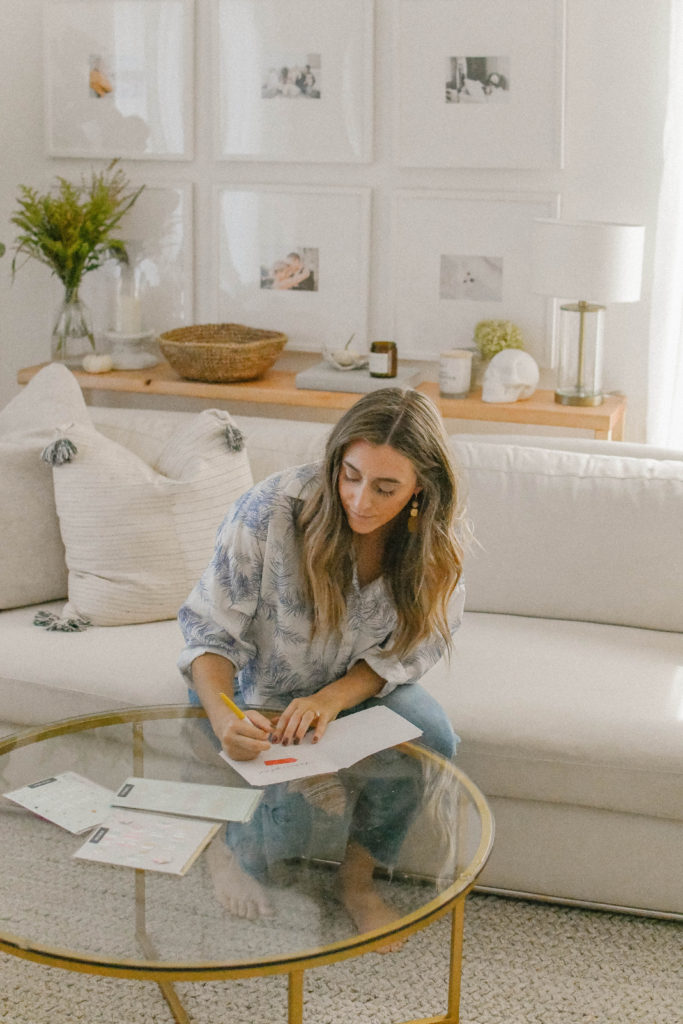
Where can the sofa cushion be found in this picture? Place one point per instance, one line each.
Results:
(46, 676)
(572, 535)
(138, 537)
(567, 712)
(32, 565)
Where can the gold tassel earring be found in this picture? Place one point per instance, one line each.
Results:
(412, 515)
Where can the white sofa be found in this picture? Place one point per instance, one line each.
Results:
(566, 685)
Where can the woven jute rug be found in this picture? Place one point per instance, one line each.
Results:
(524, 963)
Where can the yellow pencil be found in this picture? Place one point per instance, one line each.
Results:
(231, 704)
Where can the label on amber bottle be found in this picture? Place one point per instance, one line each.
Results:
(379, 364)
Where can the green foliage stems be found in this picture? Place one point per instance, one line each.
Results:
(71, 229)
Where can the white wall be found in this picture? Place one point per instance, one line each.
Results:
(616, 84)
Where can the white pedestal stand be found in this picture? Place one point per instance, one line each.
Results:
(128, 352)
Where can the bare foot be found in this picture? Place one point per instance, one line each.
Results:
(235, 890)
(362, 902)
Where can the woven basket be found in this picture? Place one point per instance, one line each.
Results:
(221, 353)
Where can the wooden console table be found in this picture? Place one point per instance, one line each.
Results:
(277, 387)
(605, 420)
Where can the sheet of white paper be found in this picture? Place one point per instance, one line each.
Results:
(152, 842)
(346, 741)
(225, 803)
(67, 799)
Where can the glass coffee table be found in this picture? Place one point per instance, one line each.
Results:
(128, 923)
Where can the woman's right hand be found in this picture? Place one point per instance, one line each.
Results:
(243, 739)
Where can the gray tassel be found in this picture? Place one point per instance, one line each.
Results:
(53, 623)
(59, 452)
(234, 438)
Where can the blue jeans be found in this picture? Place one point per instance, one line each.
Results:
(385, 792)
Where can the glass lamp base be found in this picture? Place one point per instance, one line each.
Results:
(577, 398)
(579, 366)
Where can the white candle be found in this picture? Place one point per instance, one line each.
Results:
(128, 315)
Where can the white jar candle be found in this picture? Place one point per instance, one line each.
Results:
(455, 372)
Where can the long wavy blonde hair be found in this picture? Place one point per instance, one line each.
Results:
(421, 569)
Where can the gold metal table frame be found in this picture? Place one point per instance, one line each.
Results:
(450, 900)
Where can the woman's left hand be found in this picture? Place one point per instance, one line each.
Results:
(302, 714)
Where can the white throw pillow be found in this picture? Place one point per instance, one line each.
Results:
(571, 535)
(138, 537)
(32, 565)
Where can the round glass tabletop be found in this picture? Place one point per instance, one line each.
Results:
(122, 920)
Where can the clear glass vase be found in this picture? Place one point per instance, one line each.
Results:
(72, 335)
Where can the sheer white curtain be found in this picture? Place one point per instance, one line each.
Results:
(665, 395)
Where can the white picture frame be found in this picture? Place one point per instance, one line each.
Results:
(480, 83)
(119, 78)
(158, 236)
(462, 257)
(259, 231)
(321, 109)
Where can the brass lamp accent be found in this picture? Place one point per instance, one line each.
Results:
(578, 384)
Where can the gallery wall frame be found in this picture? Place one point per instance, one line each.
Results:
(294, 82)
(119, 78)
(159, 240)
(294, 259)
(479, 83)
(462, 257)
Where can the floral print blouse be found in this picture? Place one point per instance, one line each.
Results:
(249, 607)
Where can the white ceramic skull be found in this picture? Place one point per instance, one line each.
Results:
(511, 374)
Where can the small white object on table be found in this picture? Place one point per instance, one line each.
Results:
(97, 362)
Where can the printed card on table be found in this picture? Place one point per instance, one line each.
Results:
(66, 799)
(151, 842)
(223, 803)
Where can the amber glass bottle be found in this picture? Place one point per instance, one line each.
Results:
(383, 359)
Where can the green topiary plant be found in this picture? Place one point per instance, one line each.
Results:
(492, 336)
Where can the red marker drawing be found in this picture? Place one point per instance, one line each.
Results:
(282, 760)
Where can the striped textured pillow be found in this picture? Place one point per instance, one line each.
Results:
(137, 537)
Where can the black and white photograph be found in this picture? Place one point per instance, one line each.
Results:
(475, 87)
(474, 278)
(477, 79)
(296, 271)
(292, 77)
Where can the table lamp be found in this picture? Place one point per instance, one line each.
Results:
(595, 264)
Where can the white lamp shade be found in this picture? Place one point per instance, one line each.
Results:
(590, 261)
